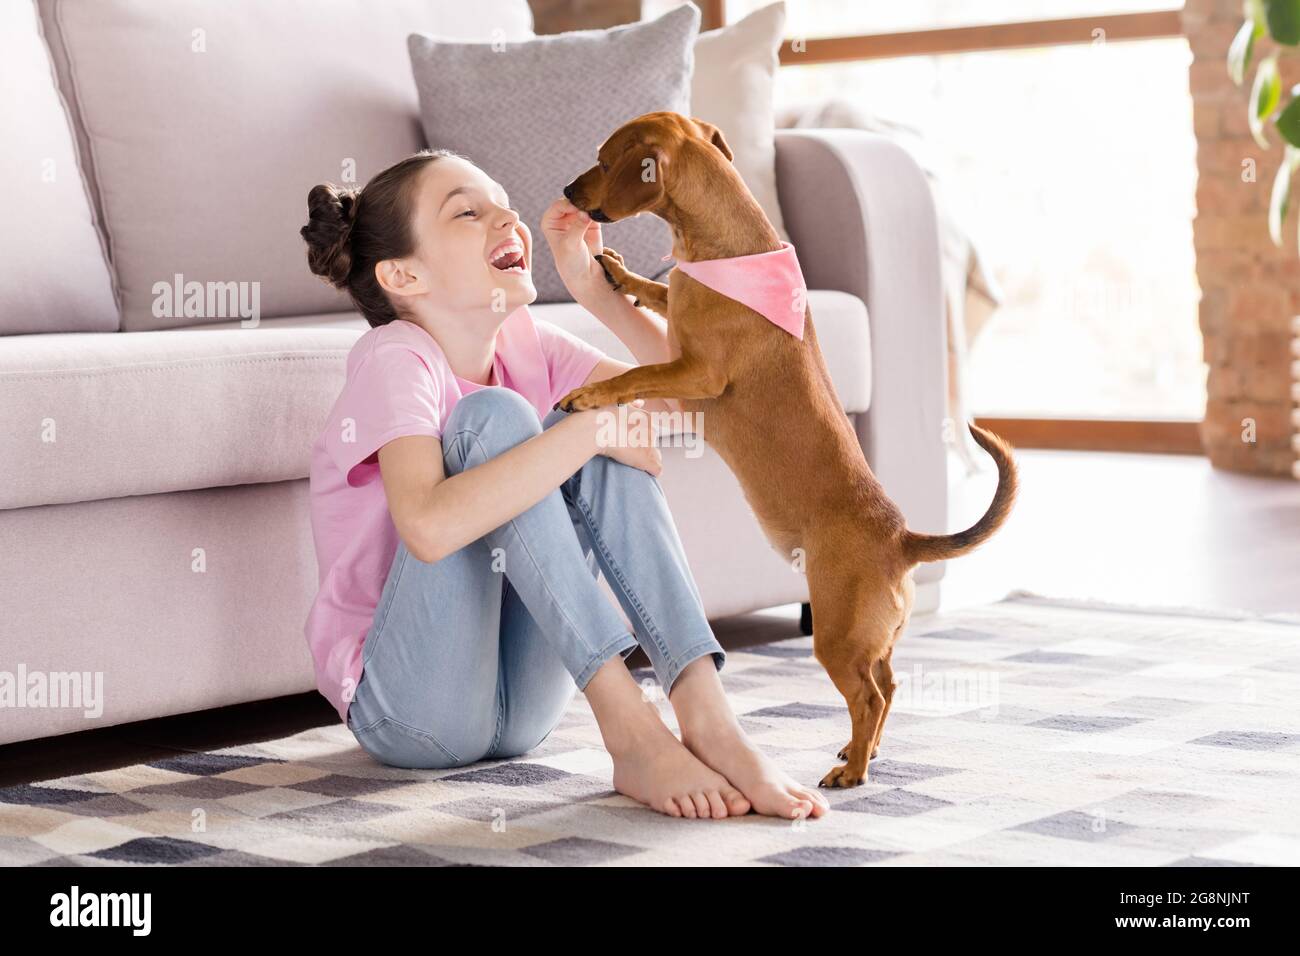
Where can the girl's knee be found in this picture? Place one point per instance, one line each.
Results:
(491, 419)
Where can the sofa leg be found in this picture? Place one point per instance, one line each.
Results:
(805, 620)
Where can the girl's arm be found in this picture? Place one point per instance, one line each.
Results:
(436, 515)
(575, 238)
(644, 334)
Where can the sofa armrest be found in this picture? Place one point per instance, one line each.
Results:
(859, 210)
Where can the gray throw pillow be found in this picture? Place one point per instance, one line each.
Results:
(531, 115)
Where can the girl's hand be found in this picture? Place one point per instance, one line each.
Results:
(627, 433)
(575, 240)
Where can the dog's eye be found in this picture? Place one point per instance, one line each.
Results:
(604, 167)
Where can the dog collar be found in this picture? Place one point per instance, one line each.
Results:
(770, 283)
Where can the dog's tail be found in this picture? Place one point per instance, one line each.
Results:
(940, 547)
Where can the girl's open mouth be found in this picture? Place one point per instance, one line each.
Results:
(508, 257)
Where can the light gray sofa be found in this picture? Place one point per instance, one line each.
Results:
(153, 507)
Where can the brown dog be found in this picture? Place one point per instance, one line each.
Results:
(771, 412)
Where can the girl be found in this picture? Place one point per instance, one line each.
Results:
(459, 535)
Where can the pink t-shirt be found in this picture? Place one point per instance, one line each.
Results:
(399, 383)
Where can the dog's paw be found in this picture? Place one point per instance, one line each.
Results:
(580, 399)
(616, 274)
(613, 270)
(839, 778)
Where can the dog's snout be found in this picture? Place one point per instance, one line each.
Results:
(568, 192)
(597, 215)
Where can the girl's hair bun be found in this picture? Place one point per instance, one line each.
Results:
(331, 212)
(350, 231)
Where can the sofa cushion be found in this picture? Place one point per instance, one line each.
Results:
(843, 334)
(53, 273)
(533, 114)
(85, 416)
(206, 122)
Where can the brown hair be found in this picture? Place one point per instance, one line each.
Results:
(349, 230)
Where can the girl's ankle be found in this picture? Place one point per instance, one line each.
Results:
(629, 730)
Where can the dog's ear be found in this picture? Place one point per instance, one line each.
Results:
(714, 136)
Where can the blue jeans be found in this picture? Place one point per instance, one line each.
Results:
(477, 655)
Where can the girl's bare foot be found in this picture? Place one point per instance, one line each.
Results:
(652, 766)
(711, 732)
(770, 790)
(650, 763)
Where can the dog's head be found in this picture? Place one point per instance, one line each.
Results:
(642, 162)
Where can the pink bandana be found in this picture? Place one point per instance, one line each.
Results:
(770, 283)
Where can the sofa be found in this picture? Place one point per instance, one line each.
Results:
(154, 502)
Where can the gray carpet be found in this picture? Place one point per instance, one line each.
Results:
(1025, 732)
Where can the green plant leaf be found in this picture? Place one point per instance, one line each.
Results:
(1283, 20)
(1280, 200)
(1243, 47)
(1288, 121)
(1264, 97)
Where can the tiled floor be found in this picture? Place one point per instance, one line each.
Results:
(1147, 530)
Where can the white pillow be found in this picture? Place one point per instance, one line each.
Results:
(53, 273)
(733, 87)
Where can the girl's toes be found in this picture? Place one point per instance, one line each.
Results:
(717, 808)
(818, 802)
(671, 808)
(792, 807)
(736, 803)
(702, 809)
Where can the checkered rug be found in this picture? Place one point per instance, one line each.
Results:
(1025, 732)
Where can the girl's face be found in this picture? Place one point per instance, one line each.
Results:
(472, 251)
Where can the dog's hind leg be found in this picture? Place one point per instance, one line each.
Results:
(866, 709)
(653, 295)
(883, 671)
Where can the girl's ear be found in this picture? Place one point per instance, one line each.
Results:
(395, 276)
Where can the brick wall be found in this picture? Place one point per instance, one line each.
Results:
(558, 16)
(1250, 289)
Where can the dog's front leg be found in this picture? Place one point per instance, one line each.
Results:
(681, 378)
(653, 295)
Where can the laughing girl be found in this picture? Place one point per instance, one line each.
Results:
(460, 523)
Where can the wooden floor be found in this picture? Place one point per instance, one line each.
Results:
(1135, 529)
